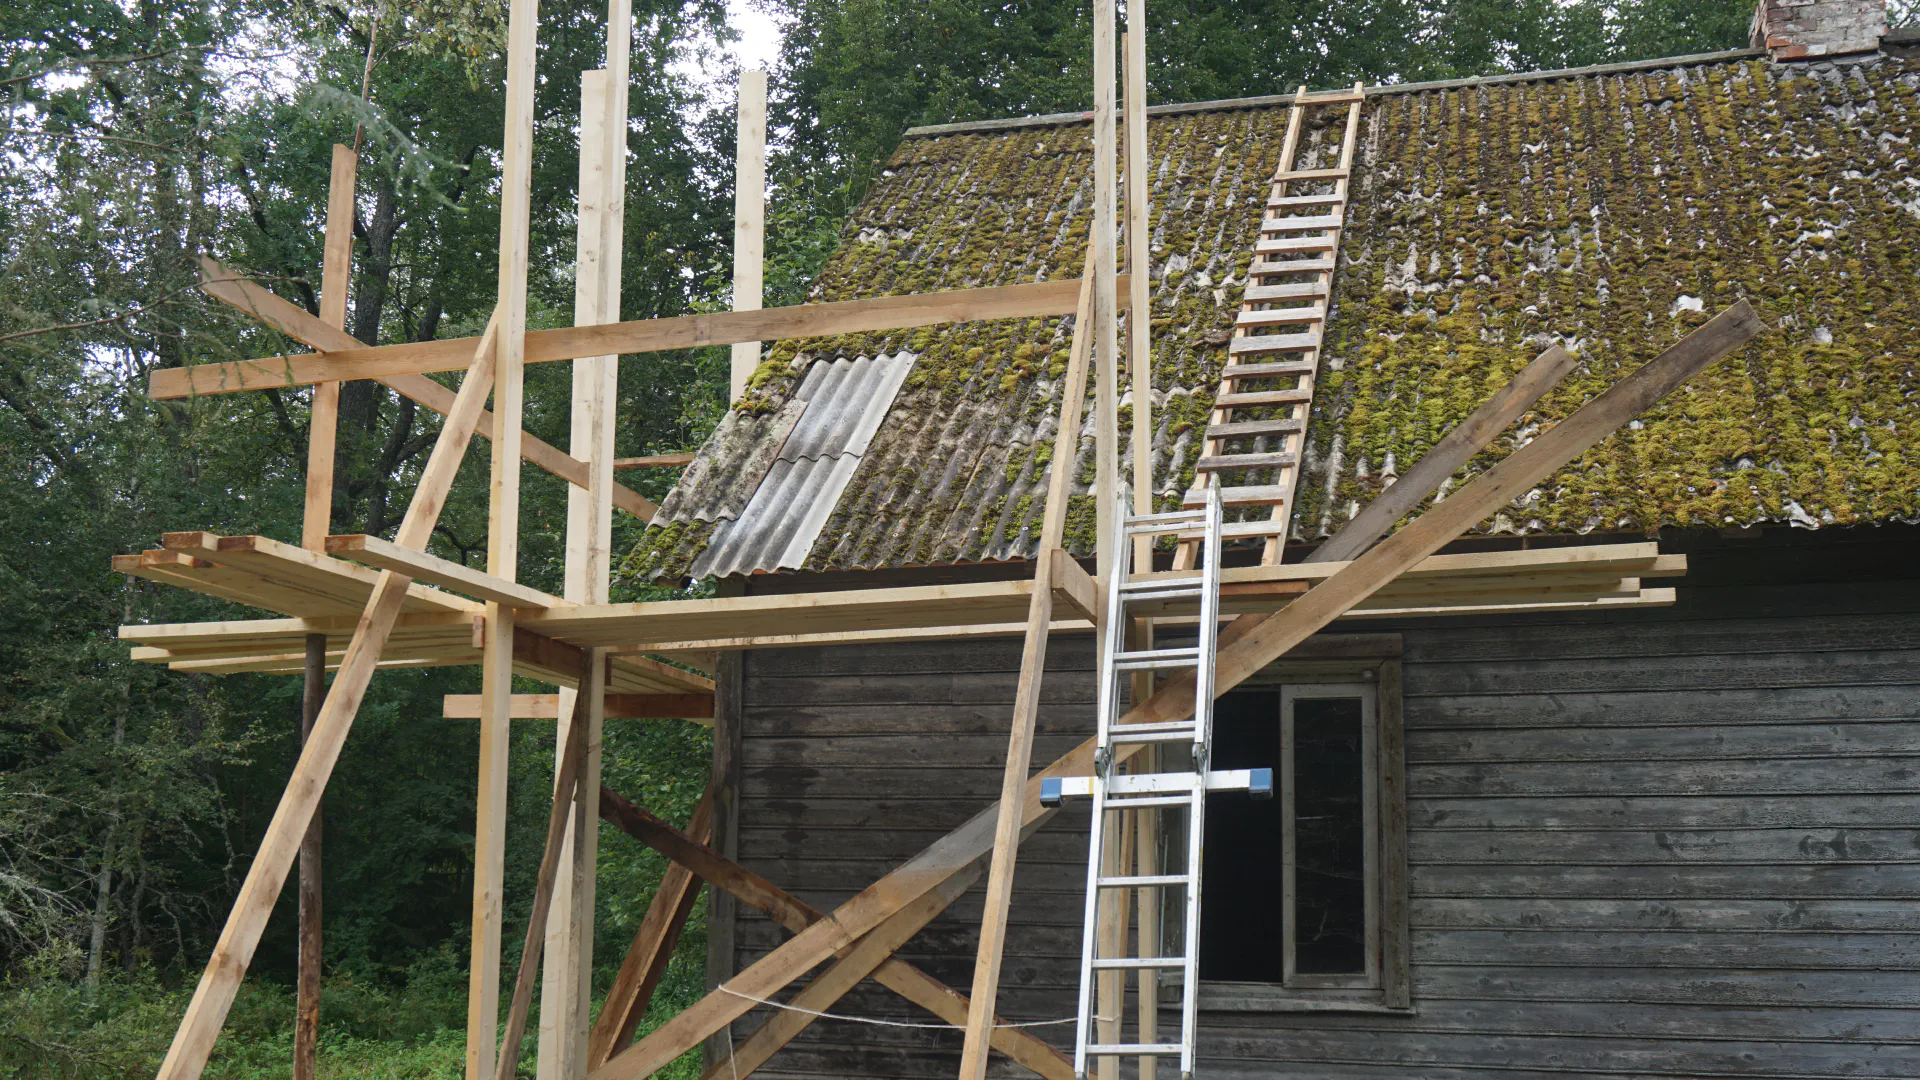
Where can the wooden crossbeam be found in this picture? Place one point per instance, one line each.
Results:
(1247, 645)
(619, 706)
(382, 362)
(236, 291)
(213, 997)
(386, 555)
(646, 960)
(795, 916)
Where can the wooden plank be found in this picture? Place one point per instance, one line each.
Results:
(324, 417)
(796, 916)
(654, 461)
(566, 779)
(908, 311)
(503, 541)
(1139, 242)
(193, 1042)
(1246, 646)
(653, 943)
(385, 555)
(226, 285)
(618, 707)
(1033, 662)
(1494, 415)
(1075, 586)
(749, 218)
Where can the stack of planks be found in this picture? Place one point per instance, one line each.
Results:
(438, 629)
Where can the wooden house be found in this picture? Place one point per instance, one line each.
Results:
(1674, 837)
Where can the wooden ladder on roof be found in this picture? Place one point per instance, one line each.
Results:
(1266, 389)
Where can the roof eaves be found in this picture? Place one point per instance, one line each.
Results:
(969, 127)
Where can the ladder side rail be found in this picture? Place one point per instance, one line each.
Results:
(1111, 642)
(1083, 1026)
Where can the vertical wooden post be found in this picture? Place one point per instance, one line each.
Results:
(1140, 364)
(723, 908)
(306, 1006)
(1009, 816)
(749, 217)
(566, 997)
(336, 269)
(503, 542)
(1105, 303)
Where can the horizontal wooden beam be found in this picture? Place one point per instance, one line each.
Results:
(386, 555)
(1078, 588)
(237, 292)
(653, 461)
(619, 707)
(647, 335)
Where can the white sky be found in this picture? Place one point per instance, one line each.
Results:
(760, 35)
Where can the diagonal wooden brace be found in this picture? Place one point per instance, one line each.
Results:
(234, 290)
(652, 948)
(193, 1042)
(796, 916)
(1252, 642)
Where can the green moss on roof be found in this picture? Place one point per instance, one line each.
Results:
(1611, 213)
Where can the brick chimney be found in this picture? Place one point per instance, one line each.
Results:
(1801, 29)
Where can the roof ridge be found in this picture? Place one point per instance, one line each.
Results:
(1264, 101)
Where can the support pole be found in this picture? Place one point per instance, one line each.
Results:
(336, 270)
(1026, 699)
(749, 217)
(1101, 243)
(503, 543)
(567, 995)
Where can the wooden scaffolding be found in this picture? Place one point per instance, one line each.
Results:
(355, 604)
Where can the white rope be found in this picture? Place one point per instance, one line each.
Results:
(879, 1022)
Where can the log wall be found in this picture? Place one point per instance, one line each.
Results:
(1680, 843)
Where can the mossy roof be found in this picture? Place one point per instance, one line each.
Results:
(1612, 212)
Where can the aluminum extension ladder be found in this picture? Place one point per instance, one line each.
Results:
(1158, 791)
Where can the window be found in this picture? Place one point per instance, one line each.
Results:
(1305, 894)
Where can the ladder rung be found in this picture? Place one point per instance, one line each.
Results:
(1160, 586)
(1316, 221)
(1155, 661)
(1290, 244)
(1273, 316)
(1297, 266)
(1120, 735)
(1311, 174)
(1257, 495)
(1165, 516)
(1331, 198)
(1241, 530)
(1261, 397)
(1130, 1049)
(1270, 343)
(1141, 881)
(1149, 802)
(1138, 963)
(1223, 462)
(1268, 371)
(1173, 725)
(1332, 97)
(1257, 294)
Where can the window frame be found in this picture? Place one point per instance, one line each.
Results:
(1328, 661)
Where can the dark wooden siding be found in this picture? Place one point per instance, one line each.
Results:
(1682, 843)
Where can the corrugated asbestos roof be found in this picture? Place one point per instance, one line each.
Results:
(1612, 211)
(841, 404)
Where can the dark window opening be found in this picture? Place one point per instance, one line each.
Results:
(1240, 919)
(1330, 843)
